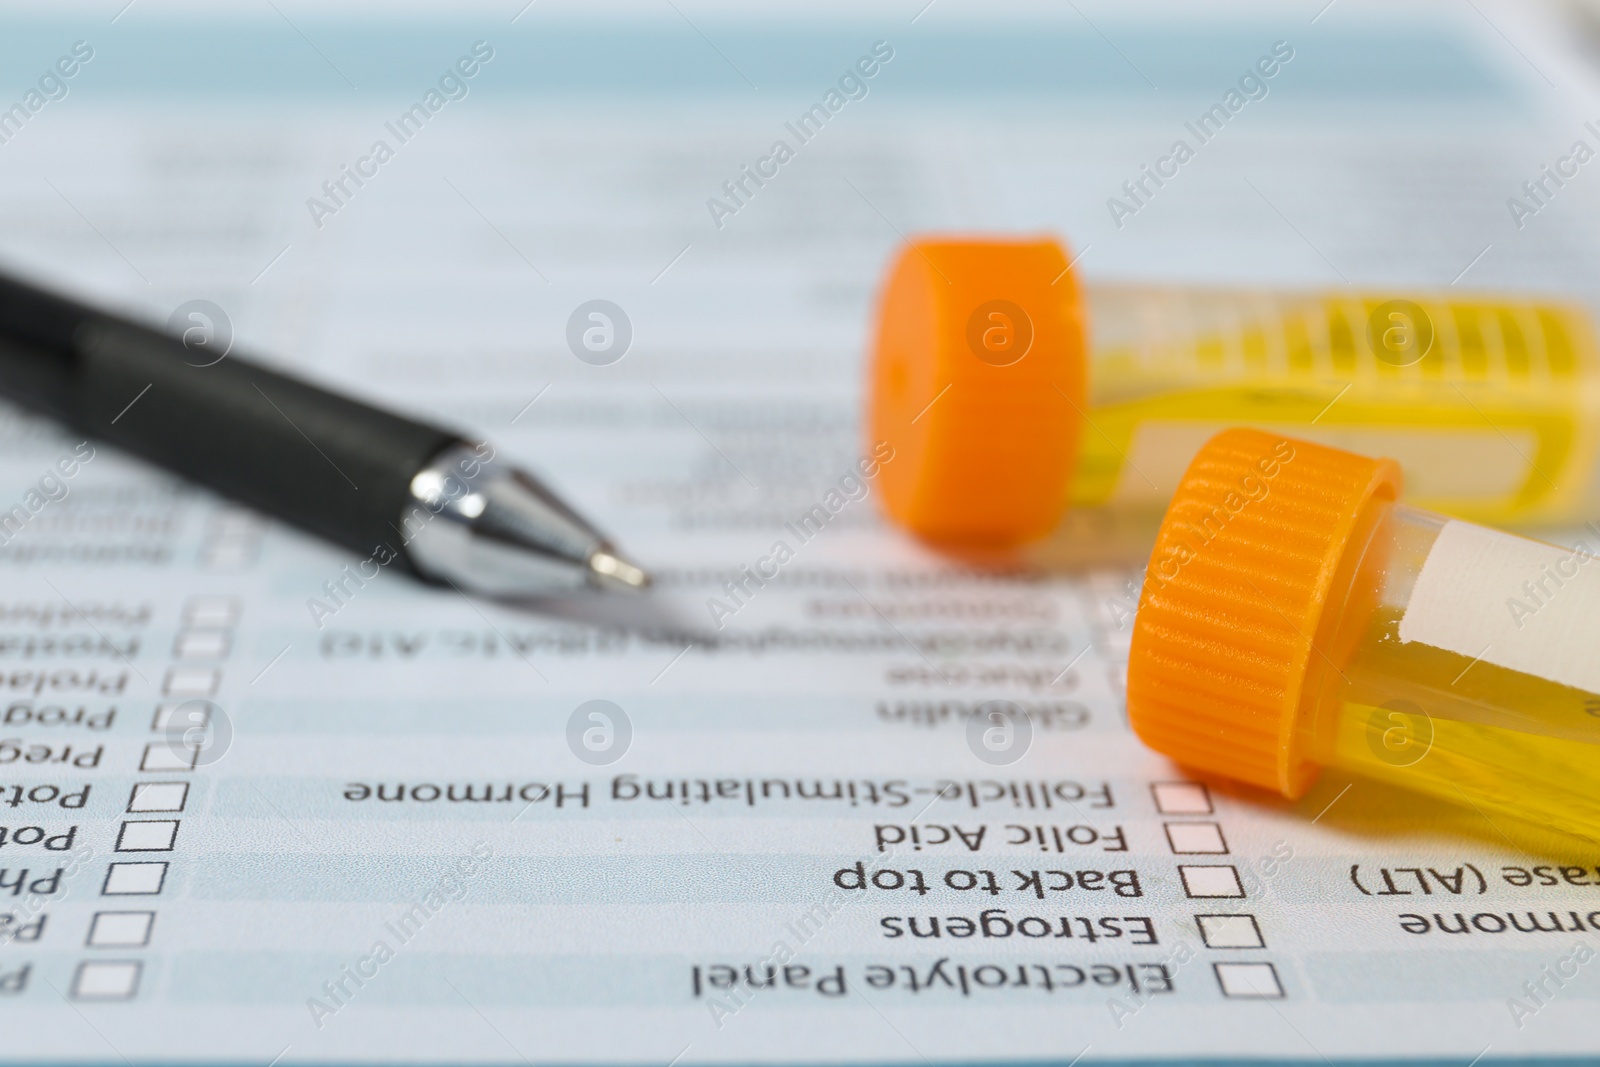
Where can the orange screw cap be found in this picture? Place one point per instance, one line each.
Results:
(977, 384)
(1229, 641)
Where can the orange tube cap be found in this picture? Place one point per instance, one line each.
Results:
(977, 384)
(1252, 549)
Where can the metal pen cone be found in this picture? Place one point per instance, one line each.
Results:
(490, 528)
(611, 571)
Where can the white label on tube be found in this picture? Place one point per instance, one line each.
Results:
(1516, 603)
(1441, 465)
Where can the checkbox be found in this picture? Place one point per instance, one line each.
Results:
(1259, 980)
(212, 611)
(120, 929)
(200, 644)
(229, 553)
(147, 835)
(1181, 798)
(1196, 838)
(134, 879)
(191, 681)
(176, 716)
(1208, 881)
(109, 980)
(170, 755)
(158, 796)
(1230, 931)
(229, 521)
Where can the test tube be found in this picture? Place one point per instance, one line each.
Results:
(1011, 392)
(1295, 615)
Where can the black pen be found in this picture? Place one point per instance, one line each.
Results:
(367, 479)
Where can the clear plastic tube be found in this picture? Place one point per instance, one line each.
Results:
(1465, 663)
(1491, 404)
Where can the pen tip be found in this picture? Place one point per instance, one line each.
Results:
(611, 571)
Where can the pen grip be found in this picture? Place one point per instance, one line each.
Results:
(327, 463)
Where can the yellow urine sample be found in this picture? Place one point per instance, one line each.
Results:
(1491, 404)
(1458, 724)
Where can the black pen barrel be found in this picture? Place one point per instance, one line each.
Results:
(332, 465)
